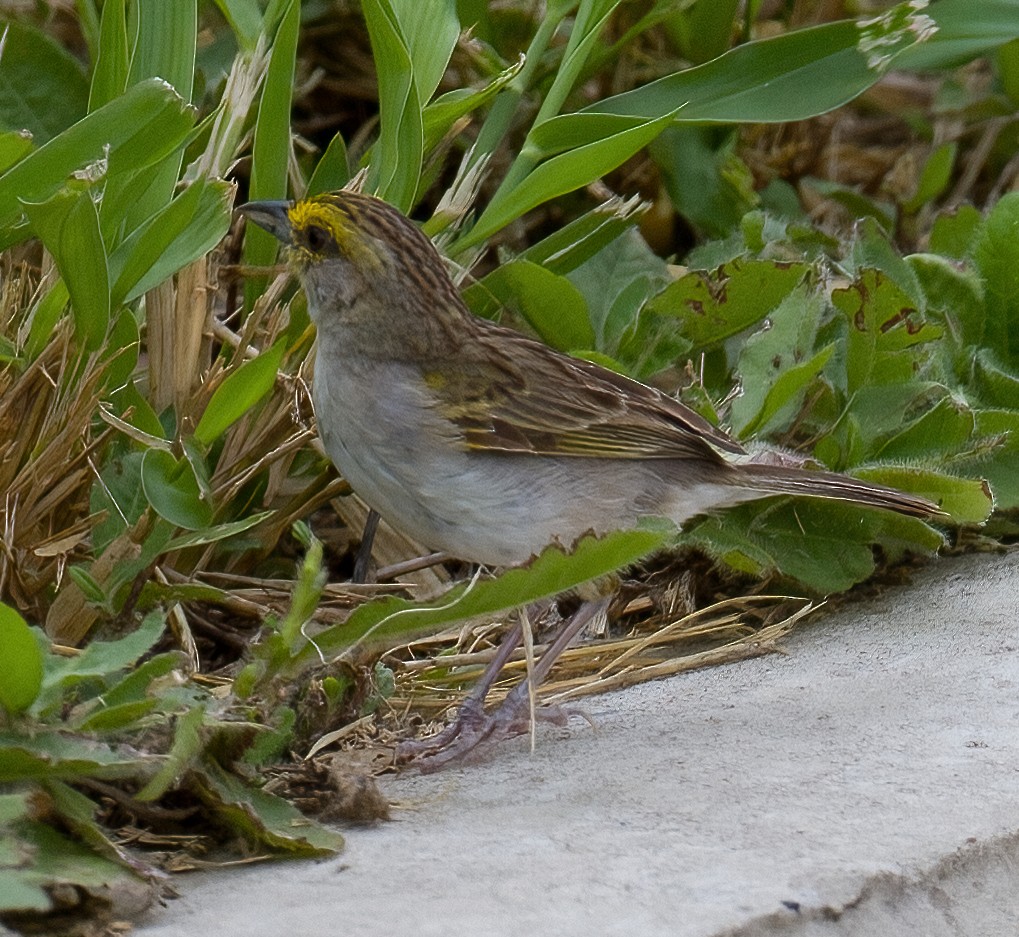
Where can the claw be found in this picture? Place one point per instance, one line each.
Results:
(474, 730)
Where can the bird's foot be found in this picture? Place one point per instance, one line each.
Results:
(474, 730)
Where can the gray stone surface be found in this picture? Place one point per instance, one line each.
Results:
(866, 783)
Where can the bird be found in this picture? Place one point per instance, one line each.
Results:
(479, 441)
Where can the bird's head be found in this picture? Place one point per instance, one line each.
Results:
(347, 246)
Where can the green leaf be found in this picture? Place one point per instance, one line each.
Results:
(68, 224)
(576, 242)
(263, 818)
(549, 303)
(332, 171)
(42, 86)
(411, 44)
(135, 686)
(777, 364)
(171, 487)
(934, 177)
(872, 249)
(884, 328)
(705, 178)
(616, 283)
(100, 660)
(187, 228)
(966, 29)
(954, 232)
(117, 718)
(1001, 467)
(996, 253)
(245, 19)
(165, 43)
(20, 662)
(51, 754)
(703, 29)
(825, 545)
(561, 174)
(130, 133)
(942, 431)
(965, 500)
(272, 145)
(184, 753)
(995, 385)
(552, 572)
(219, 532)
(109, 76)
(792, 76)
(239, 392)
(15, 145)
(955, 295)
(440, 116)
(713, 306)
(56, 859)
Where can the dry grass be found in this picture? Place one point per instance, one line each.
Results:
(433, 673)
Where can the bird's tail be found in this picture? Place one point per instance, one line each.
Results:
(798, 481)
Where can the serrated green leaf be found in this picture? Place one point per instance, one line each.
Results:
(263, 818)
(965, 500)
(996, 253)
(884, 327)
(553, 571)
(184, 753)
(713, 306)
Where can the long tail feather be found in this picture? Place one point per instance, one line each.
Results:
(797, 481)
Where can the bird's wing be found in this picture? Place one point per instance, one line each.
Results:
(508, 393)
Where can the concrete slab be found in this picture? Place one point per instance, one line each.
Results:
(865, 784)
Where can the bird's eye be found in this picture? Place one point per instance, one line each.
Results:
(316, 238)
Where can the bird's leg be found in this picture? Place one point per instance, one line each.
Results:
(470, 717)
(473, 726)
(362, 562)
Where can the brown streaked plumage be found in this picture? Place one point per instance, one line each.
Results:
(478, 440)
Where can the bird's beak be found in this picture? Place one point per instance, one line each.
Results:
(273, 216)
